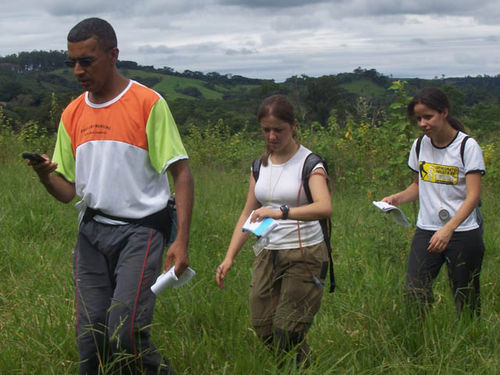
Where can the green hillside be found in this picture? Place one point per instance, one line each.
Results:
(36, 86)
(172, 87)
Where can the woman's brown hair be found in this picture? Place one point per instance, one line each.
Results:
(280, 108)
(437, 100)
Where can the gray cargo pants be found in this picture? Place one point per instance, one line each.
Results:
(114, 268)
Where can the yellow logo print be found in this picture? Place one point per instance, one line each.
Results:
(439, 174)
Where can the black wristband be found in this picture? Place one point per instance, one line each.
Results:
(284, 209)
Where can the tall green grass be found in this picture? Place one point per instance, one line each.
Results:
(361, 329)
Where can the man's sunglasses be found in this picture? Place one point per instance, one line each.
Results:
(84, 62)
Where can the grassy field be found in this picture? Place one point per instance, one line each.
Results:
(361, 329)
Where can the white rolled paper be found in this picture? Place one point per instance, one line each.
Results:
(170, 279)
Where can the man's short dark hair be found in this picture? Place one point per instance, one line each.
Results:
(97, 27)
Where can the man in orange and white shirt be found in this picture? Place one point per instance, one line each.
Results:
(114, 146)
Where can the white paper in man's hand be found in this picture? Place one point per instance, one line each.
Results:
(169, 278)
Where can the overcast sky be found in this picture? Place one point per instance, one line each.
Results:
(276, 39)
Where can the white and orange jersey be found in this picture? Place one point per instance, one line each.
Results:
(117, 153)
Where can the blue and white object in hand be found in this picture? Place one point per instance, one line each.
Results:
(260, 228)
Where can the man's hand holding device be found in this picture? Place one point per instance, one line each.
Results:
(33, 157)
(41, 164)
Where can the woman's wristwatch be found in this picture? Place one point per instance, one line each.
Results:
(284, 209)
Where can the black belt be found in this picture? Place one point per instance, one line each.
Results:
(161, 220)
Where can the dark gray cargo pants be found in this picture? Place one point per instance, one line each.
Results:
(114, 268)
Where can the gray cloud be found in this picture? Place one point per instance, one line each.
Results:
(363, 8)
(274, 4)
(419, 41)
(276, 39)
(82, 9)
(241, 51)
(130, 8)
(155, 50)
(385, 7)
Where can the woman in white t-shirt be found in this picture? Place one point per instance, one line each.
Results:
(288, 273)
(448, 166)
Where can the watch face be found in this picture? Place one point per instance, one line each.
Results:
(444, 215)
(284, 208)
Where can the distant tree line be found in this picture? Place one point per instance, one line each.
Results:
(46, 61)
(33, 84)
(37, 61)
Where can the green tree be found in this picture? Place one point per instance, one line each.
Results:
(321, 97)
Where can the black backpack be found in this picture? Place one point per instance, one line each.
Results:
(479, 216)
(326, 225)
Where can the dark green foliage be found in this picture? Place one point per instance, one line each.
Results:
(44, 61)
(9, 88)
(321, 97)
(191, 91)
(147, 81)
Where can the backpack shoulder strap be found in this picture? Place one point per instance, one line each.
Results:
(417, 147)
(326, 226)
(311, 161)
(462, 148)
(256, 168)
(480, 203)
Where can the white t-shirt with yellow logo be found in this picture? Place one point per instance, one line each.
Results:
(442, 179)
